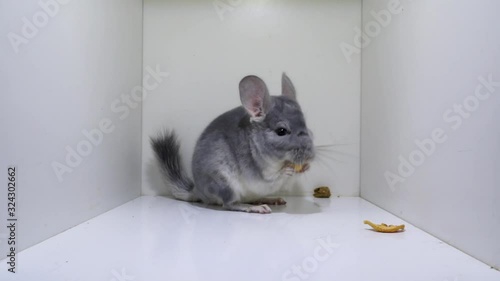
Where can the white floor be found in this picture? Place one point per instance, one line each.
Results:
(157, 238)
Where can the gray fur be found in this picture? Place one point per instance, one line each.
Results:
(240, 158)
(166, 148)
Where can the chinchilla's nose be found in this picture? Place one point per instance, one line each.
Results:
(303, 133)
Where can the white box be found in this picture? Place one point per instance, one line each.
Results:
(404, 93)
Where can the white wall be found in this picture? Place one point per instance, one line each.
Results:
(208, 52)
(426, 60)
(62, 80)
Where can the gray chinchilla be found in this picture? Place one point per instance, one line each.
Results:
(244, 154)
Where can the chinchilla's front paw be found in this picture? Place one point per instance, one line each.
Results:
(289, 171)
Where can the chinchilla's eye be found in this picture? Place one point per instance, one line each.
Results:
(281, 131)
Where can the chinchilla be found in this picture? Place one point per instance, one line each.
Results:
(245, 154)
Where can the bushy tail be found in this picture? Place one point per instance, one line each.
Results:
(166, 148)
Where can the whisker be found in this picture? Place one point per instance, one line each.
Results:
(327, 148)
(330, 157)
(333, 145)
(325, 163)
(339, 152)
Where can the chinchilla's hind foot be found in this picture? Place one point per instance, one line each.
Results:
(260, 209)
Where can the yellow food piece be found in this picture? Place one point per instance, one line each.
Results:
(297, 168)
(322, 192)
(384, 227)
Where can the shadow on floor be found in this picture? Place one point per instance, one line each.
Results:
(295, 205)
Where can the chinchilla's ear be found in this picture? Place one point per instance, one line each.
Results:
(255, 97)
(287, 88)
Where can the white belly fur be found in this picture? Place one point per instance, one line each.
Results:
(249, 190)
